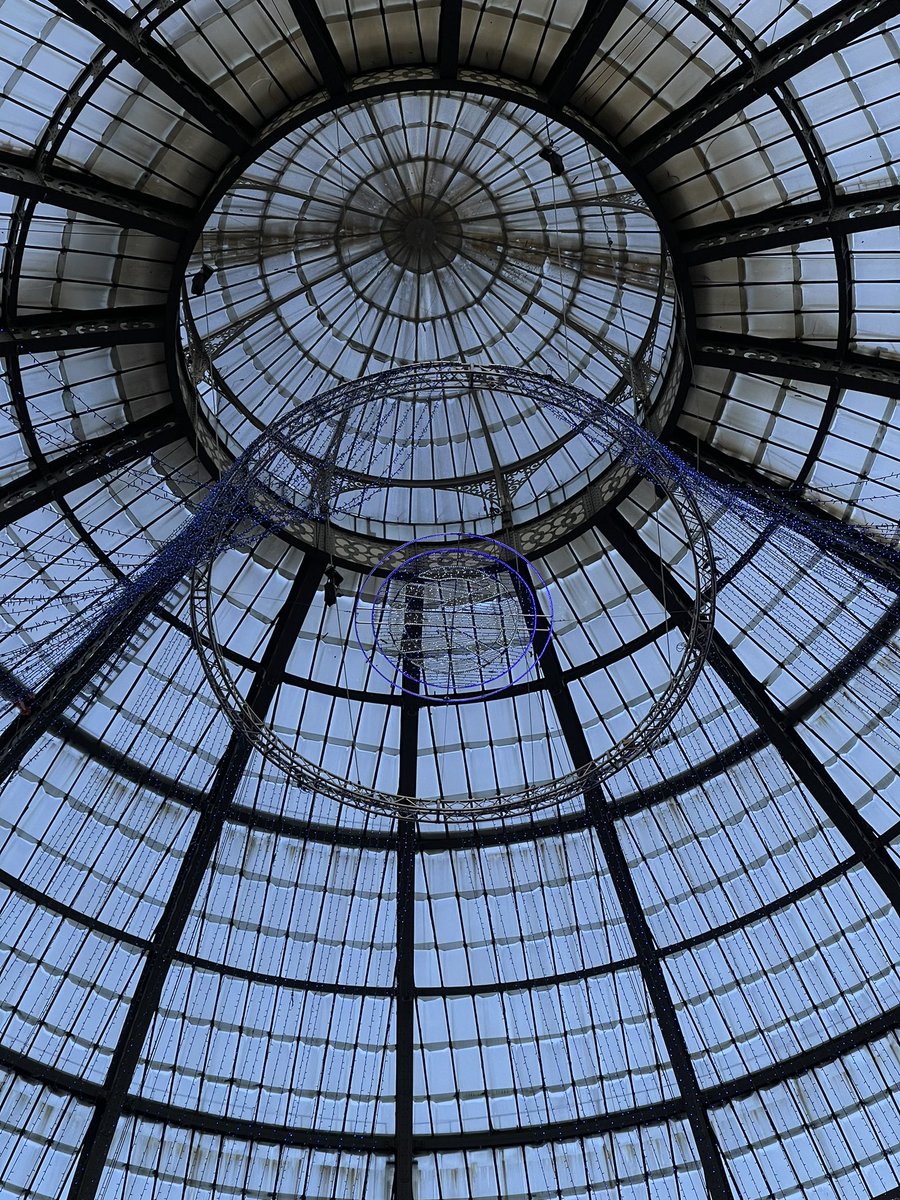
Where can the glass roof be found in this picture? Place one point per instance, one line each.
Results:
(214, 983)
(414, 226)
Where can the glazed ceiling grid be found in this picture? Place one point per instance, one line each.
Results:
(769, 896)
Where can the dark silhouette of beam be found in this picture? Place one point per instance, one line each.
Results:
(829, 31)
(425, 1144)
(55, 479)
(68, 330)
(407, 841)
(327, 61)
(749, 692)
(46, 1075)
(41, 709)
(578, 53)
(791, 225)
(662, 1005)
(157, 63)
(77, 191)
(170, 928)
(627, 1118)
(845, 310)
(850, 544)
(448, 38)
(796, 360)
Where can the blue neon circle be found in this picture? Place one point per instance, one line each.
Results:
(455, 544)
(480, 554)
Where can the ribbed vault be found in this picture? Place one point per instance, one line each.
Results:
(213, 984)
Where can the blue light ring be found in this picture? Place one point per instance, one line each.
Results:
(507, 671)
(459, 538)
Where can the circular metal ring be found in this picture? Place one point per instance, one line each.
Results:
(268, 492)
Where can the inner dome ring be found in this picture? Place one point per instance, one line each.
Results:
(248, 363)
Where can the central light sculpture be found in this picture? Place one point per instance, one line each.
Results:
(450, 618)
(453, 618)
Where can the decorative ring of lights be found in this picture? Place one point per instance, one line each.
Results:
(278, 482)
(447, 618)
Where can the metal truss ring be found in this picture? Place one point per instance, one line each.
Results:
(269, 497)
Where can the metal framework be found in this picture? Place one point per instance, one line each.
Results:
(54, 480)
(794, 360)
(854, 545)
(44, 706)
(659, 580)
(163, 68)
(405, 1001)
(63, 330)
(337, 1140)
(600, 817)
(792, 225)
(502, 835)
(79, 191)
(583, 43)
(279, 466)
(829, 31)
(448, 38)
(328, 62)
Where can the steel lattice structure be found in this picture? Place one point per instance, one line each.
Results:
(284, 482)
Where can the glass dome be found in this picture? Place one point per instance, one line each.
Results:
(216, 984)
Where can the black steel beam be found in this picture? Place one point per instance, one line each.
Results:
(315, 33)
(627, 1118)
(327, 1139)
(107, 638)
(407, 841)
(157, 63)
(887, 1021)
(791, 225)
(248, 1130)
(76, 191)
(169, 930)
(164, 785)
(48, 1076)
(662, 1005)
(845, 309)
(749, 692)
(448, 38)
(69, 330)
(578, 53)
(721, 99)
(42, 899)
(796, 360)
(41, 710)
(405, 1010)
(874, 640)
(57, 478)
(855, 830)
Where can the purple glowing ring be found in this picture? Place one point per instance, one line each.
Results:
(453, 543)
(508, 671)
